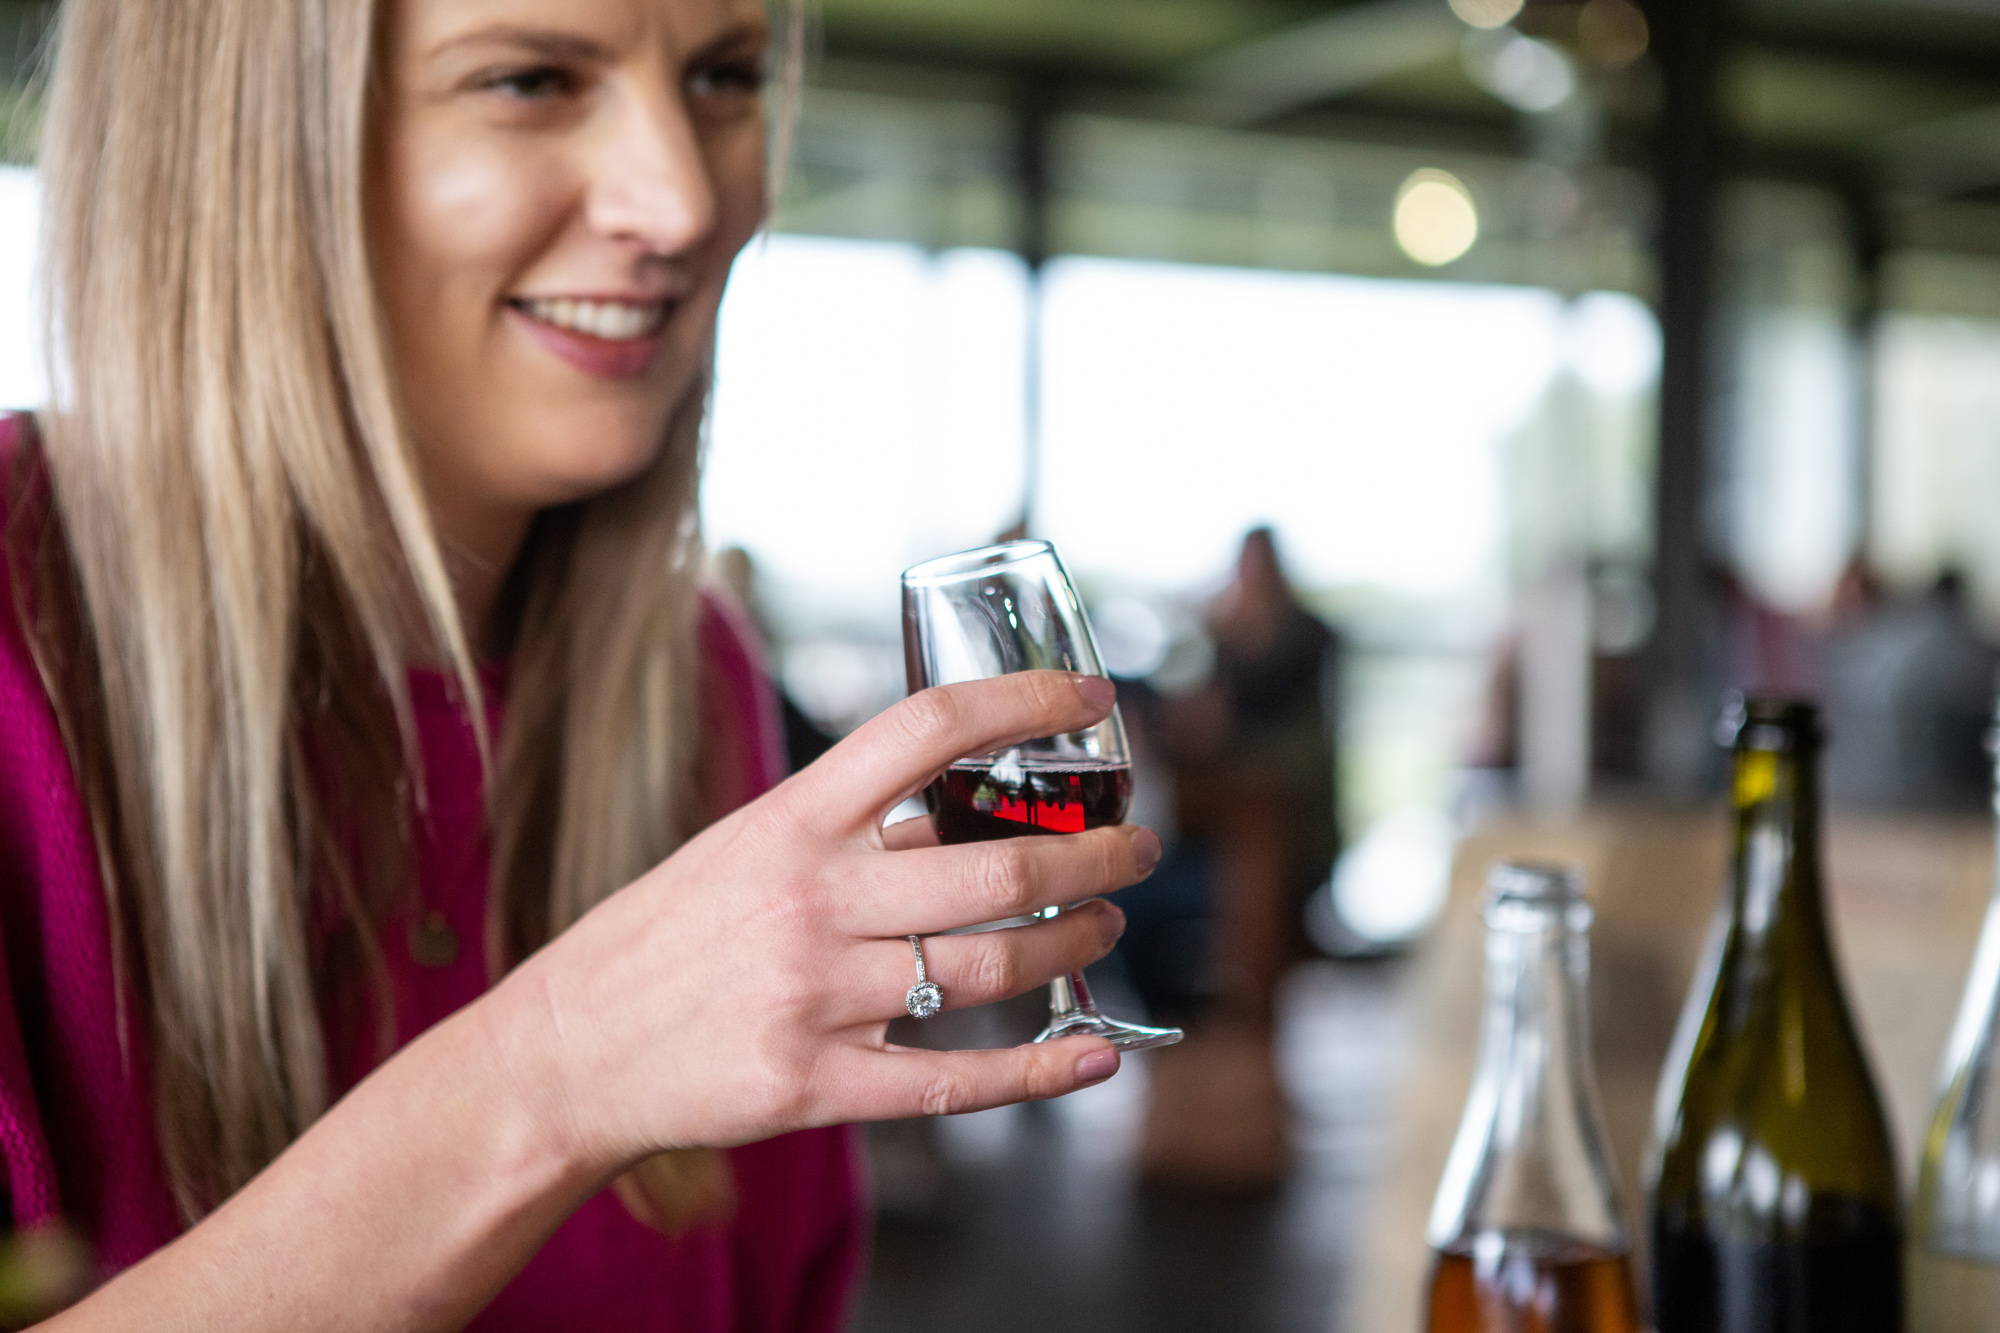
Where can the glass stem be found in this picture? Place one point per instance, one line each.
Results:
(1070, 996)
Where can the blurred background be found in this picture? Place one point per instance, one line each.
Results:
(1574, 362)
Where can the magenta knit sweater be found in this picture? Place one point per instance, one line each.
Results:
(77, 1137)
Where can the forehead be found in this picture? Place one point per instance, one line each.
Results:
(420, 27)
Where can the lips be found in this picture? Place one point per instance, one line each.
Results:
(613, 339)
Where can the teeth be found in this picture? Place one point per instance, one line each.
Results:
(613, 321)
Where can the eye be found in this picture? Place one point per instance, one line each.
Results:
(728, 78)
(534, 83)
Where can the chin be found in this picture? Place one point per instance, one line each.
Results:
(576, 459)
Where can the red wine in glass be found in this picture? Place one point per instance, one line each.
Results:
(980, 801)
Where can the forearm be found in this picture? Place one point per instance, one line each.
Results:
(407, 1206)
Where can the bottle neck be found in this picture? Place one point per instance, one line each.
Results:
(1534, 1038)
(1776, 885)
(1530, 1150)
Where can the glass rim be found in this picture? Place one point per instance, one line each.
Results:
(978, 560)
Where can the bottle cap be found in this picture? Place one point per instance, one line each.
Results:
(1534, 895)
(1764, 722)
(1534, 882)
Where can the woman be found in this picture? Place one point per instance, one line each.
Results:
(382, 330)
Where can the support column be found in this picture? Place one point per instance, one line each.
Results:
(1689, 42)
(1867, 231)
(1034, 116)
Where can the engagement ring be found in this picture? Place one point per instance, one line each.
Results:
(926, 997)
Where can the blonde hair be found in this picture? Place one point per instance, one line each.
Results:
(248, 567)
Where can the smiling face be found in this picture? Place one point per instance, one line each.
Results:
(561, 187)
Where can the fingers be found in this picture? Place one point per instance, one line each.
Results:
(900, 749)
(976, 969)
(929, 889)
(907, 834)
(898, 1083)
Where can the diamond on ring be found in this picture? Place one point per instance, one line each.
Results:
(926, 997)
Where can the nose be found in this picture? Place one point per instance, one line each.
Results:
(653, 187)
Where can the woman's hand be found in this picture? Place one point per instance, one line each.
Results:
(743, 987)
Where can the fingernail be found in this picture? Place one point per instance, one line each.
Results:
(1146, 850)
(1097, 1066)
(1097, 691)
(1110, 925)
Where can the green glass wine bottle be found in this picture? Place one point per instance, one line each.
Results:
(1774, 1205)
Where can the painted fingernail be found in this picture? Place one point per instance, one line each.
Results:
(1146, 850)
(1110, 925)
(1097, 1066)
(1097, 691)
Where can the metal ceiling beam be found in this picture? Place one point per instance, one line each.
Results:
(1951, 157)
(1881, 49)
(1358, 118)
(1323, 57)
(1366, 118)
(941, 65)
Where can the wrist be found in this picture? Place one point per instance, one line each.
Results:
(520, 1042)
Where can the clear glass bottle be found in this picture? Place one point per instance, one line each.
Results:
(1526, 1232)
(1954, 1277)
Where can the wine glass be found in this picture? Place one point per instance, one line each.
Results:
(987, 612)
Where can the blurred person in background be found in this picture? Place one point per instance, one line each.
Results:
(1909, 686)
(1748, 644)
(381, 949)
(1620, 619)
(1253, 755)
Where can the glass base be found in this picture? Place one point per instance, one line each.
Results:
(1125, 1036)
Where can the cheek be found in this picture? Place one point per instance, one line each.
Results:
(466, 223)
(742, 200)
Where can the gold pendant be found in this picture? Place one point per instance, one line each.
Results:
(433, 943)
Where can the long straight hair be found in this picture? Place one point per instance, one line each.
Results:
(247, 567)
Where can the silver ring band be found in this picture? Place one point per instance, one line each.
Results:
(926, 997)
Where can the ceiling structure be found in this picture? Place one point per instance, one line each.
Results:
(1894, 100)
(1211, 129)
(1879, 84)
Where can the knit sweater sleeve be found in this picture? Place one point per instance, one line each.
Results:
(30, 790)
(76, 1133)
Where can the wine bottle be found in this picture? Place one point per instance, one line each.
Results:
(1774, 1206)
(1955, 1220)
(1526, 1232)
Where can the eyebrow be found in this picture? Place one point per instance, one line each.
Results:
(746, 32)
(542, 41)
(554, 45)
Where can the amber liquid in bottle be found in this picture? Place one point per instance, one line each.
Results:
(1562, 1286)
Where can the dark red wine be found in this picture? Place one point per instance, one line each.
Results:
(1847, 1279)
(978, 802)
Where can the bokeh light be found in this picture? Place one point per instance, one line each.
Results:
(1436, 220)
(1527, 74)
(1613, 33)
(1487, 13)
